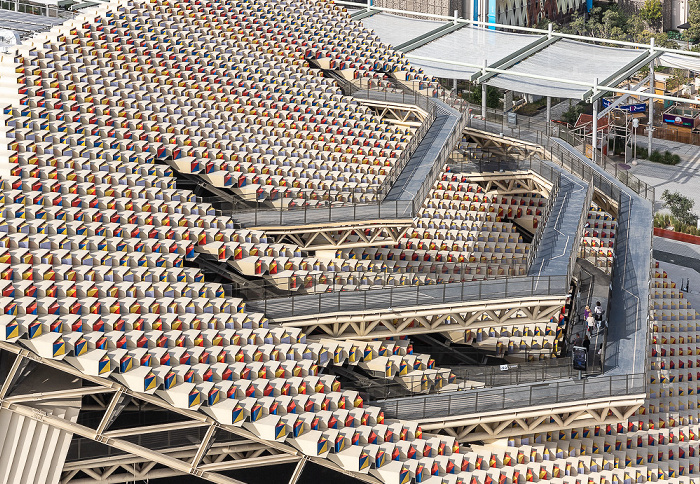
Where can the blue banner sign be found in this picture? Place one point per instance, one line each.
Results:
(632, 108)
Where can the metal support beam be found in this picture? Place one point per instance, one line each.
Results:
(594, 141)
(78, 392)
(428, 37)
(624, 73)
(549, 114)
(337, 235)
(123, 445)
(115, 407)
(12, 375)
(204, 447)
(390, 322)
(621, 99)
(514, 422)
(297, 471)
(652, 90)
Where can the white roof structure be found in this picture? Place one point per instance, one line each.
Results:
(539, 62)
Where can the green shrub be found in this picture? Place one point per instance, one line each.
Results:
(667, 158)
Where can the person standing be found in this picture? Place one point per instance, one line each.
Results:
(587, 344)
(598, 311)
(600, 356)
(577, 340)
(590, 322)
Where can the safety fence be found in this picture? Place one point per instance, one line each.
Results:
(473, 402)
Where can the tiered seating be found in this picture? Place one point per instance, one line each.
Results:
(598, 243)
(660, 442)
(517, 342)
(461, 234)
(236, 105)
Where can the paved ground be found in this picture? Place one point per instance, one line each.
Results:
(681, 261)
(681, 177)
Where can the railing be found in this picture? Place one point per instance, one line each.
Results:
(535, 244)
(443, 157)
(516, 373)
(579, 230)
(262, 215)
(396, 297)
(558, 155)
(467, 378)
(488, 400)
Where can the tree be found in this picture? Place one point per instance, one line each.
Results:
(652, 12)
(693, 33)
(681, 207)
(571, 115)
(493, 97)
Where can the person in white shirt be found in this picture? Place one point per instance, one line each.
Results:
(598, 314)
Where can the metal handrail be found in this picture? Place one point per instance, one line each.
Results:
(540, 137)
(518, 396)
(395, 297)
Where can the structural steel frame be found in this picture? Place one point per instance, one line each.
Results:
(422, 319)
(502, 66)
(335, 235)
(513, 183)
(396, 113)
(171, 462)
(502, 145)
(544, 418)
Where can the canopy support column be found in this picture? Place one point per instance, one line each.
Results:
(549, 114)
(483, 101)
(652, 90)
(594, 135)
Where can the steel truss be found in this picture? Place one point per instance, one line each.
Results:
(224, 456)
(546, 418)
(513, 183)
(397, 113)
(204, 460)
(331, 236)
(503, 146)
(462, 316)
(515, 148)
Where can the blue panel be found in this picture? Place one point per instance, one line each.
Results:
(475, 12)
(492, 13)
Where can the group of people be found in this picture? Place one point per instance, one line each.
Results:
(593, 318)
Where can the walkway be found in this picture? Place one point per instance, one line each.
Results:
(679, 178)
(558, 239)
(422, 167)
(629, 306)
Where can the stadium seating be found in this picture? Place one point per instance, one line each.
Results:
(239, 108)
(598, 243)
